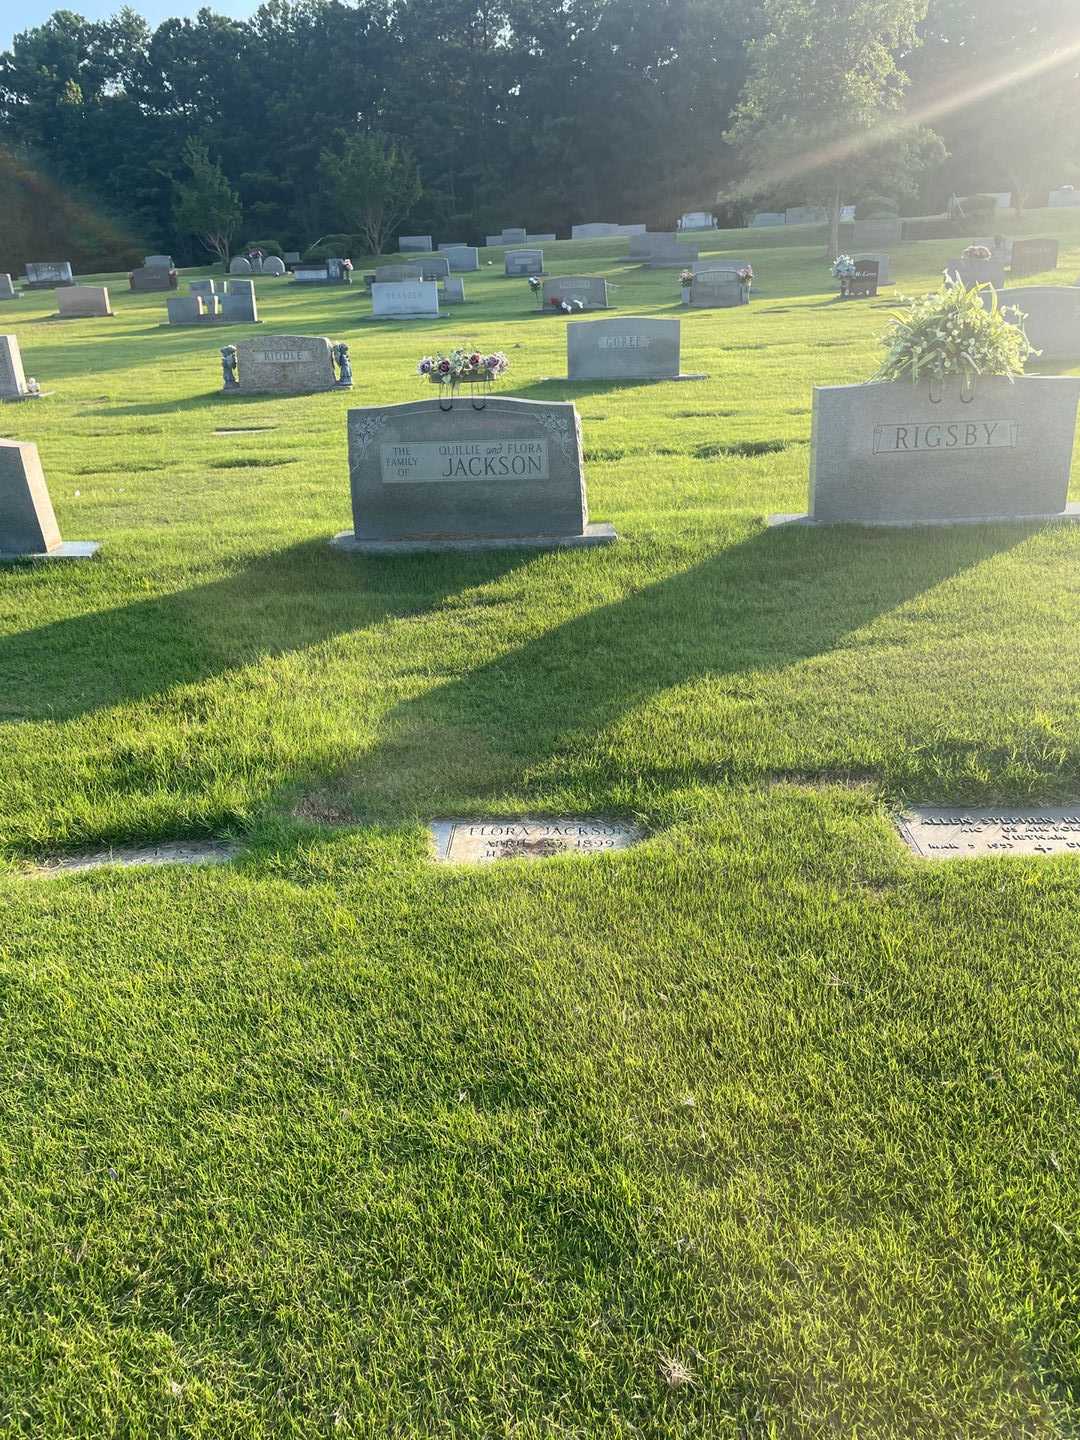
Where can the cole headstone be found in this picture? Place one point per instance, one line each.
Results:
(28, 528)
(423, 476)
(629, 348)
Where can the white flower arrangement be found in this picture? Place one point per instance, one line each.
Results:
(950, 333)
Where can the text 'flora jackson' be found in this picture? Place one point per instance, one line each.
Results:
(510, 457)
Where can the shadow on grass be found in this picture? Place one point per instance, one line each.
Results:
(536, 715)
(285, 601)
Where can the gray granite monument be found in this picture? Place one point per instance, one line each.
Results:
(588, 292)
(877, 234)
(152, 279)
(7, 289)
(411, 297)
(13, 383)
(432, 474)
(396, 274)
(158, 262)
(28, 528)
(1053, 318)
(453, 291)
(717, 290)
(1033, 256)
(48, 274)
(463, 258)
(83, 302)
(893, 453)
(631, 347)
(414, 244)
(284, 365)
(519, 263)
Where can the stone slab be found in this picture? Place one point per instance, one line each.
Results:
(28, 528)
(238, 265)
(716, 290)
(66, 550)
(697, 220)
(970, 273)
(7, 288)
(765, 218)
(523, 263)
(892, 453)
(806, 215)
(284, 365)
(884, 264)
(83, 302)
(434, 267)
(1053, 318)
(411, 297)
(45, 274)
(464, 259)
(486, 841)
(398, 274)
(603, 230)
(958, 833)
(152, 279)
(599, 533)
(794, 517)
(506, 470)
(158, 262)
(12, 375)
(453, 291)
(630, 348)
(413, 244)
(169, 852)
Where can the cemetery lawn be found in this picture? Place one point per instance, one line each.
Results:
(762, 1128)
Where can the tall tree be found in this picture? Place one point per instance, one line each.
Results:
(375, 184)
(822, 104)
(206, 204)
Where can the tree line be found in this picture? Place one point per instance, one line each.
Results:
(483, 113)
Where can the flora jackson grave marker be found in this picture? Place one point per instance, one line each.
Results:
(482, 842)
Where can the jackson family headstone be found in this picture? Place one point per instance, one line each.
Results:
(428, 476)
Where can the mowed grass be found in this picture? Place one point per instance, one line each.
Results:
(762, 1128)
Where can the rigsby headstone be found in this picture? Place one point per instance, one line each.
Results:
(28, 528)
(523, 262)
(1053, 318)
(83, 301)
(427, 477)
(285, 364)
(411, 297)
(47, 274)
(581, 291)
(629, 348)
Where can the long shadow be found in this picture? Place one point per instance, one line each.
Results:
(280, 602)
(779, 598)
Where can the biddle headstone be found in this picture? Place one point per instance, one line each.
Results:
(511, 473)
(285, 364)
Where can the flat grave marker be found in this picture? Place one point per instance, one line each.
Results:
(483, 842)
(957, 833)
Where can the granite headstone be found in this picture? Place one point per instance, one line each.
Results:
(631, 347)
(411, 297)
(28, 528)
(83, 302)
(285, 364)
(523, 262)
(47, 274)
(581, 291)
(1053, 318)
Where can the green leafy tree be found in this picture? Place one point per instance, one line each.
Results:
(206, 205)
(375, 183)
(822, 108)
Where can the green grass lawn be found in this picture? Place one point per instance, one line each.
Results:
(760, 1129)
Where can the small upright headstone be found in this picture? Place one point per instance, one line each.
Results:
(284, 364)
(629, 348)
(152, 279)
(397, 274)
(424, 476)
(883, 264)
(671, 255)
(523, 262)
(202, 287)
(83, 302)
(697, 220)
(411, 244)
(238, 303)
(158, 262)
(434, 267)
(453, 291)
(273, 265)
(412, 297)
(463, 258)
(1032, 257)
(7, 289)
(716, 290)
(13, 384)
(28, 528)
(292, 257)
(514, 235)
(48, 274)
(588, 292)
(765, 218)
(239, 266)
(192, 309)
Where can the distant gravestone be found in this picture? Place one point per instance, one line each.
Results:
(523, 262)
(716, 290)
(48, 274)
(192, 309)
(697, 220)
(434, 267)
(970, 273)
(877, 234)
(541, 239)
(1053, 318)
(273, 265)
(805, 215)
(1065, 197)
(514, 235)
(582, 291)
(339, 270)
(239, 266)
(463, 259)
(158, 262)
(411, 297)
(672, 254)
(152, 279)
(424, 476)
(285, 364)
(83, 302)
(310, 273)
(396, 274)
(7, 289)
(408, 244)
(862, 282)
(1032, 257)
(765, 218)
(12, 377)
(28, 528)
(883, 263)
(201, 287)
(714, 266)
(604, 230)
(453, 291)
(642, 246)
(292, 257)
(238, 304)
(629, 348)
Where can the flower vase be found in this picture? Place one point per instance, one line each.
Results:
(686, 294)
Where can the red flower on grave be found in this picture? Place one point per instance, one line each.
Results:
(444, 366)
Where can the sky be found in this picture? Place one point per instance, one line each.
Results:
(28, 13)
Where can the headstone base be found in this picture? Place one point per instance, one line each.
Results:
(601, 534)
(66, 550)
(46, 284)
(1071, 512)
(623, 380)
